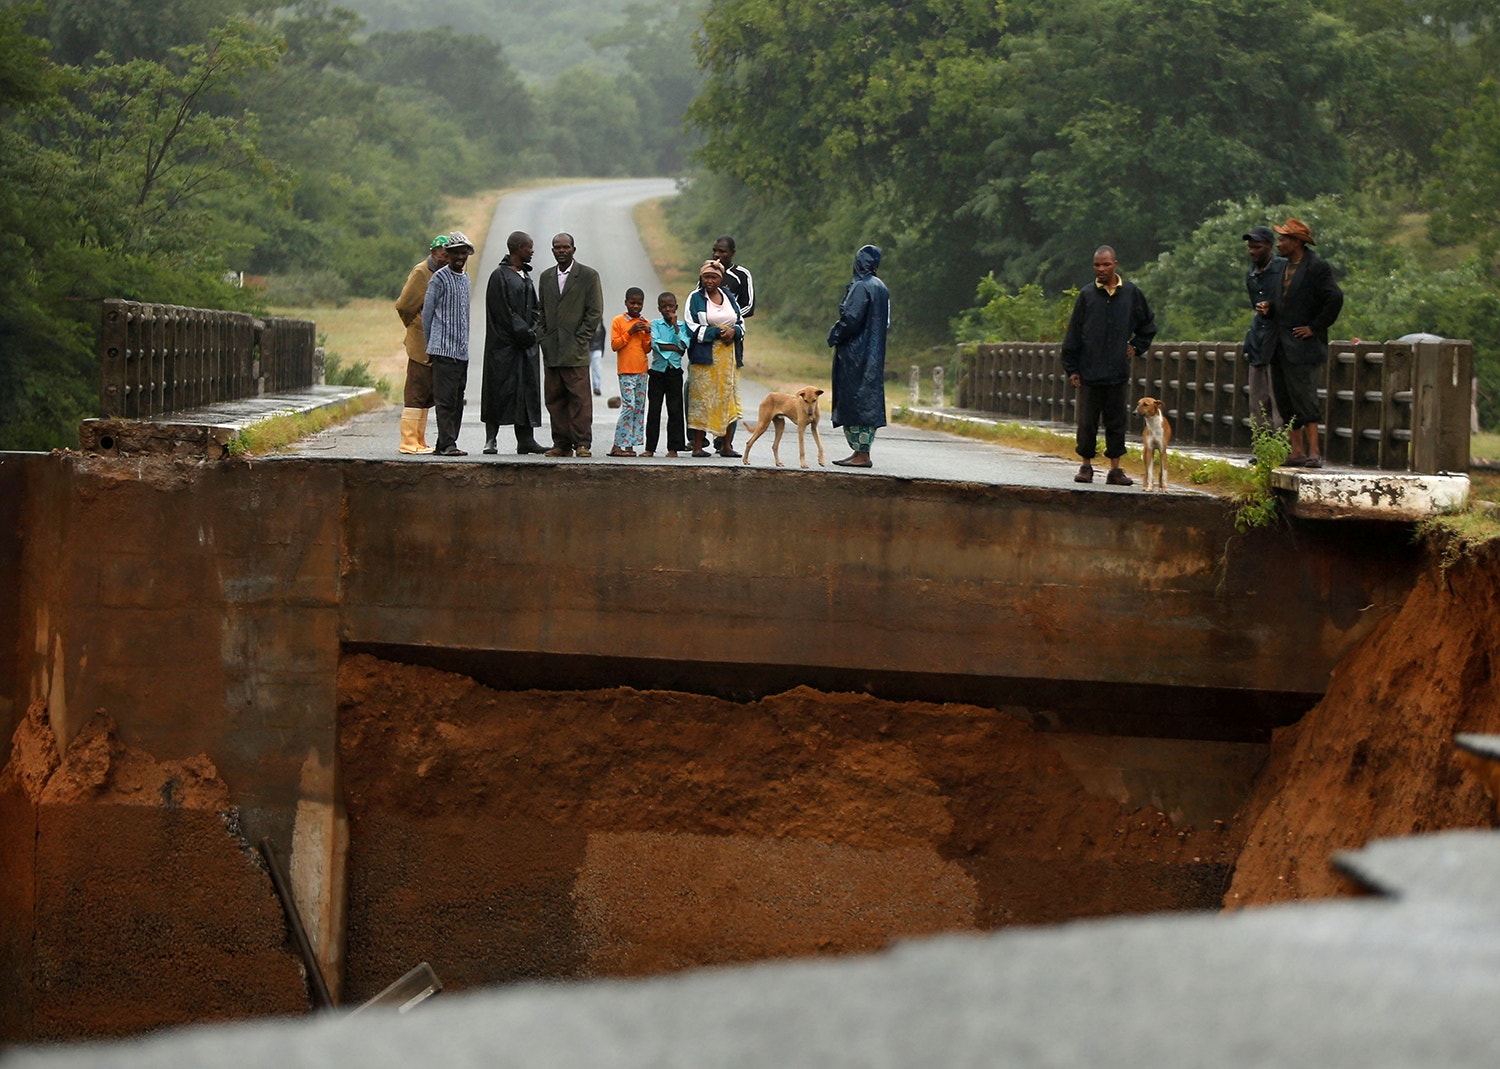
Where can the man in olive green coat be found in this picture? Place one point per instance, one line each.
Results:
(417, 399)
(572, 307)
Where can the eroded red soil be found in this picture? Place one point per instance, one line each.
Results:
(129, 902)
(547, 834)
(1375, 758)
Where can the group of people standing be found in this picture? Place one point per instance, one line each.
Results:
(1294, 300)
(539, 339)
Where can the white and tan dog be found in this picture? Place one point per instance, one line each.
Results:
(801, 408)
(1155, 438)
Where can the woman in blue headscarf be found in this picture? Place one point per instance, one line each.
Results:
(858, 341)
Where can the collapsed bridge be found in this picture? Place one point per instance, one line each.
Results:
(207, 609)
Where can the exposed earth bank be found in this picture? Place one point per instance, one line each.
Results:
(554, 834)
(1375, 758)
(545, 834)
(128, 899)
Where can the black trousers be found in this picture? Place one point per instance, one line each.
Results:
(665, 386)
(449, 379)
(1295, 387)
(1109, 404)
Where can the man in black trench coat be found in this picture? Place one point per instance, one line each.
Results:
(512, 390)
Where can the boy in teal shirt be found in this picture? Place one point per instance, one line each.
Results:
(669, 342)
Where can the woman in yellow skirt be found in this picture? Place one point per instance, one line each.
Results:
(717, 330)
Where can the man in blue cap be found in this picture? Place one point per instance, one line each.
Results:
(1263, 283)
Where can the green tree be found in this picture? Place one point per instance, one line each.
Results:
(147, 155)
(104, 174)
(1120, 123)
(1027, 314)
(587, 127)
(660, 74)
(1466, 189)
(370, 162)
(78, 30)
(830, 123)
(465, 74)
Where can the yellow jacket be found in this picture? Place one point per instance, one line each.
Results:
(409, 308)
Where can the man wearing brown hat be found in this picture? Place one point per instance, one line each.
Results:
(1308, 304)
(417, 400)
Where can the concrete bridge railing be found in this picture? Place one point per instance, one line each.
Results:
(1396, 406)
(160, 358)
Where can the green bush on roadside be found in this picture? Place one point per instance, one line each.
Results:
(357, 373)
(1257, 501)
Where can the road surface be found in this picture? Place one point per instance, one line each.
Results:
(599, 215)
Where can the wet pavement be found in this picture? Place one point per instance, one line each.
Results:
(600, 217)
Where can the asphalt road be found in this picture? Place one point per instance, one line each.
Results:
(599, 215)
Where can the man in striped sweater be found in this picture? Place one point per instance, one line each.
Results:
(445, 325)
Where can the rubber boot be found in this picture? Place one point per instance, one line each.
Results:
(422, 414)
(411, 441)
(526, 442)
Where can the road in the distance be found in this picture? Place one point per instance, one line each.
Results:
(601, 218)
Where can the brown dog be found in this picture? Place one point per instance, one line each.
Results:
(1155, 438)
(802, 409)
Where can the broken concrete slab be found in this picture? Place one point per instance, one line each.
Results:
(207, 432)
(1398, 497)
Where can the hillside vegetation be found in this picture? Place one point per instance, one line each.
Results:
(150, 151)
(989, 148)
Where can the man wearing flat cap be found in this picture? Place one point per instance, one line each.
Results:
(1308, 304)
(445, 325)
(1263, 283)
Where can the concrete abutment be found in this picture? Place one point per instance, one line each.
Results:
(206, 610)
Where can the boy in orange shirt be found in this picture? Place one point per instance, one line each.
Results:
(630, 338)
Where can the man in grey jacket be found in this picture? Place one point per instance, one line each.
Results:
(572, 307)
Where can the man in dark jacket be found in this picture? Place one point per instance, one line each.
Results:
(858, 340)
(572, 307)
(1263, 285)
(1111, 323)
(1308, 304)
(512, 390)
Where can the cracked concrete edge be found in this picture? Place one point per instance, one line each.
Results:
(1403, 497)
(208, 431)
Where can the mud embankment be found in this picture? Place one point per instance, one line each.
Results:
(128, 900)
(510, 835)
(553, 834)
(1375, 758)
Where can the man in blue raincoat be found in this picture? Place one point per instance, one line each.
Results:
(858, 339)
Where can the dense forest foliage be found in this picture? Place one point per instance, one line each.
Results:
(990, 147)
(150, 147)
(540, 40)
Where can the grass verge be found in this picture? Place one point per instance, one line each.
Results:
(278, 432)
